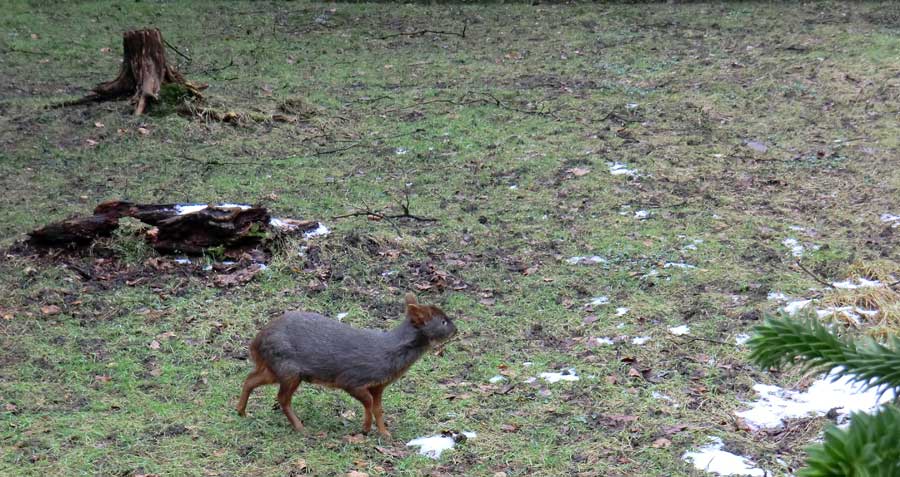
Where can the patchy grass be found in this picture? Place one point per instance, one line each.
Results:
(747, 124)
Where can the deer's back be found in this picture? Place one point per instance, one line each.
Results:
(322, 350)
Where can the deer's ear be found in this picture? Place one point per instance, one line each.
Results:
(418, 315)
(411, 299)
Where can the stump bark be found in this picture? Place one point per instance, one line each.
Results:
(143, 72)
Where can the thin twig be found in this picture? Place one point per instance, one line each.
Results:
(360, 143)
(814, 276)
(461, 34)
(696, 338)
(176, 50)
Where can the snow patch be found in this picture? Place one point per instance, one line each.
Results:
(639, 340)
(678, 265)
(184, 209)
(602, 341)
(776, 404)
(680, 330)
(619, 169)
(892, 219)
(712, 458)
(620, 311)
(182, 260)
(342, 315)
(599, 300)
(794, 245)
(641, 214)
(564, 375)
(791, 308)
(777, 296)
(434, 446)
(860, 283)
(319, 231)
(496, 379)
(741, 339)
(579, 260)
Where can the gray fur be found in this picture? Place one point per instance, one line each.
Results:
(319, 349)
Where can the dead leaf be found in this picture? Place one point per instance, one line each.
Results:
(590, 319)
(105, 50)
(355, 439)
(634, 373)
(499, 474)
(143, 131)
(154, 344)
(239, 277)
(578, 171)
(349, 414)
(661, 443)
(90, 142)
(220, 452)
(611, 379)
(509, 428)
(98, 125)
(757, 146)
(156, 372)
(10, 407)
(300, 464)
(102, 378)
(166, 335)
(50, 310)
(354, 473)
(674, 429)
(397, 453)
(34, 36)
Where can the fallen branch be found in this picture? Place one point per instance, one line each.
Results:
(814, 276)
(361, 143)
(416, 33)
(382, 214)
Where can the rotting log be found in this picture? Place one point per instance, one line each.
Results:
(143, 72)
(177, 228)
(74, 231)
(210, 227)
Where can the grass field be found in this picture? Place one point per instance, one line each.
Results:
(744, 125)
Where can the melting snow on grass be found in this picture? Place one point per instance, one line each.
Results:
(564, 375)
(497, 379)
(639, 340)
(622, 310)
(602, 341)
(712, 458)
(184, 209)
(794, 245)
(776, 404)
(791, 308)
(600, 300)
(894, 220)
(182, 260)
(684, 266)
(741, 339)
(641, 214)
(680, 330)
(860, 283)
(319, 231)
(579, 260)
(619, 169)
(434, 446)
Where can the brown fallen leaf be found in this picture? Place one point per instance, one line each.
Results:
(239, 277)
(356, 473)
(50, 310)
(355, 438)
(671, 430)
(578, 171)
(143, 131)
(388, 451)
(154, 344)
(661, 443)
(300, 464)
(102, 378)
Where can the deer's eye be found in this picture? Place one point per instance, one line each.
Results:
(445, 322)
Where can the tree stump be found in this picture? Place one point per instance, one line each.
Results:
(74, 231)
(143, 72)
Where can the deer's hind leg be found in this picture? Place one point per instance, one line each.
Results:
(285, 394)
(260, 376)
